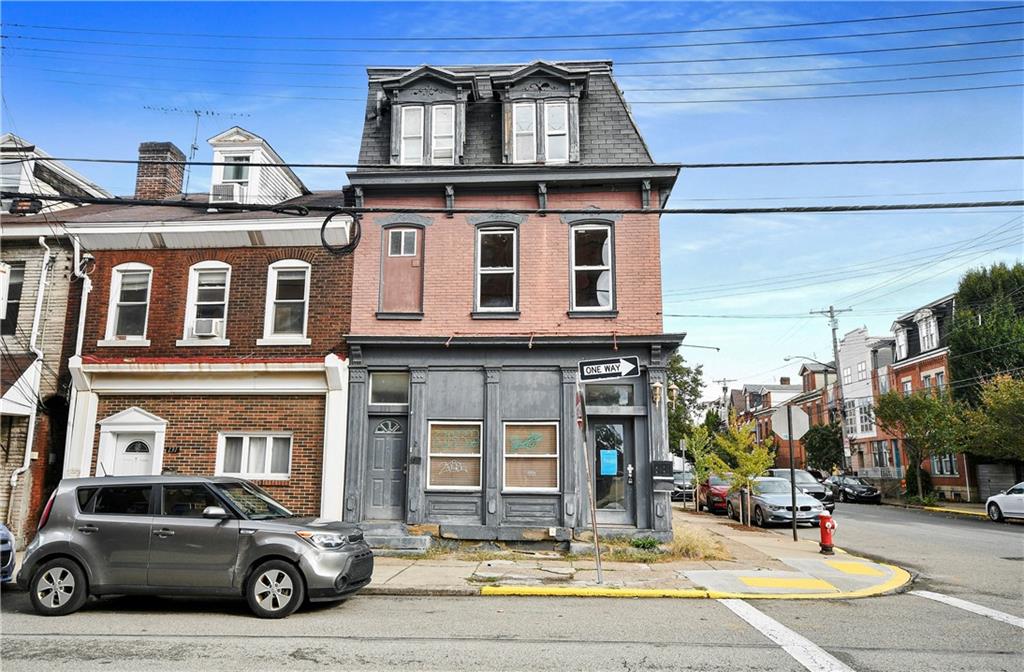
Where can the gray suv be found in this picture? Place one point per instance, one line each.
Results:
(187, 535)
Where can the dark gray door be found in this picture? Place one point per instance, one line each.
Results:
(114, 534)
(187, 549)
(385, 473)
(614, 470)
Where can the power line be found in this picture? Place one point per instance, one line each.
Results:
(833, 83)
(464, 38)
(516, 50)
(849, 52)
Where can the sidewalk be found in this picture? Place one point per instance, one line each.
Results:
(955, 508)
(763, 565)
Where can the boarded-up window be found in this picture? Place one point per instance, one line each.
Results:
(401, 282)
(531, 456)
(454, 456)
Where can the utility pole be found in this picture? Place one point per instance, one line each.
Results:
(724, 382)
(833, 322)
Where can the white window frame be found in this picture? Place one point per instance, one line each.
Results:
(434, 136)
(928, 333)
(234, 159)
(847, 376)
(573, 268)
(369, 397)
(479, 456)
(269, 337)
(110, 336)
(192, 300)
(907, 387)
(901, 344)
(558, 457)
(865, 418)
(502, 270)
(402, 252)
(941, 462)
(403, 135)
(862, 371)
(246, 436)
(940, 379)
(548, 106)
(531, 108)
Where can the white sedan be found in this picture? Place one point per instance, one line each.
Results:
(1009, 504)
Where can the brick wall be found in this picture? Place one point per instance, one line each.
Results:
(449, 268)
(329, 302)
(193, 424)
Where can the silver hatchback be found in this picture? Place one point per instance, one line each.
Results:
(187, 535)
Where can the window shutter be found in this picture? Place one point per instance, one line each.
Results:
(396, 133)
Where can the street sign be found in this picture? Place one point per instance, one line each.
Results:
(801, 423)
(592, 370)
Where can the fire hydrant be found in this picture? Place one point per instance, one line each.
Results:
(826, 526)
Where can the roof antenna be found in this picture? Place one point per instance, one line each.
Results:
(99, 465)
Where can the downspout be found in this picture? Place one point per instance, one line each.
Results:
(80, 337)
(33, 346)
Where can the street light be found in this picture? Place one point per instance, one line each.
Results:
(839, 403)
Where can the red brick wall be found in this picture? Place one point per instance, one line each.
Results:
(329, 302)
(449, 267)
(193, 423)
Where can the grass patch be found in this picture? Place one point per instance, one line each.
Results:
(694, 543)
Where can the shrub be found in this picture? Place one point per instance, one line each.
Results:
(926, 481)
(646, 543)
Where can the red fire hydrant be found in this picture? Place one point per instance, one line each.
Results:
(826, 526)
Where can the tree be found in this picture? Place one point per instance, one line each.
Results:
(988, 328)
(930, 422)
(690, 381)
(713, 422)
(824, 445)
(997, 425)
(746, 458)
(698, 445)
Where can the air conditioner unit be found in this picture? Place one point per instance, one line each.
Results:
(207, 327)
(226, 193)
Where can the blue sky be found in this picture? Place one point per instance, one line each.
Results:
(85, 99)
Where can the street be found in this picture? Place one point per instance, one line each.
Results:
(960, 558)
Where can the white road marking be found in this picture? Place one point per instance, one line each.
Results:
(803, 650)
(971, 606)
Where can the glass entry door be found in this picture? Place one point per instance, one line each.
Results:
(614, 470)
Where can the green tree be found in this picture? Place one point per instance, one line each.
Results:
(824, 445)
(698, 445)
(997, 425)
(746, 458)
(930, 422)
(988, 328)
(713, 422)
(690, 381)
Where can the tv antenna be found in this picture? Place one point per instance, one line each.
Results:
(197, 113)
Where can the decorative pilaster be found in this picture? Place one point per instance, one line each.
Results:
(573, 483)
(492, 446)
(658, 416)
(355, 458)
(417, 457)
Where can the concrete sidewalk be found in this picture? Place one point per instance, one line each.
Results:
(976, 510)
(763, 565)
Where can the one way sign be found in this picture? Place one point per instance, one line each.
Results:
(609, 369)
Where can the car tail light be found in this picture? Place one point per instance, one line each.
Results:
(46, 512)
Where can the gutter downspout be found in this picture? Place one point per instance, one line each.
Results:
(32, 345)
(83, 303)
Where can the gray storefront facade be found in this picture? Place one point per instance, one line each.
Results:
(477, 437)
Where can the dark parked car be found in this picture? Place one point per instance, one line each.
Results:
(6, 555)
(809, 485)
(186, 535)
(854, 489)
(712, 494)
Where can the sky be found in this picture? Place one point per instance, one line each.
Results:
(98, 88)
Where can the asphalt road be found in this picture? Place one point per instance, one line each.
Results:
(898, 632)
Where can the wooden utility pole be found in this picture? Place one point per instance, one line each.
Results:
(833, 322)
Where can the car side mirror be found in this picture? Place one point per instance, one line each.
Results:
(216, 512)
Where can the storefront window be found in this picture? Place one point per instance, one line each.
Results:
(531, 456)
(453, 456)
(609, 395)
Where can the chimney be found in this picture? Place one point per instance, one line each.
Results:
(784, 380)
(155, 180)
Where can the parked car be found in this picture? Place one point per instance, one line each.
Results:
(187, 535)
(1007, 504)
(820, 475)
(772, 502)
(807, 484)
(854, 489)
(6, 555)
(712, 493)
(683, 489)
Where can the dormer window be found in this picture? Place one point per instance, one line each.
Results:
(556, 131)
(901, 344)
(928, 330)
(237, 169)
(524, 125)
(412, 135)
(442, 135)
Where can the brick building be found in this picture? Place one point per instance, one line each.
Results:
(467, 328)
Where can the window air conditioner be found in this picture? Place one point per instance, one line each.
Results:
(225, 193)
(207, 327)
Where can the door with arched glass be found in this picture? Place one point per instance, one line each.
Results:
(385, 473)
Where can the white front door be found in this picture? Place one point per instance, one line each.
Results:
(134, 454)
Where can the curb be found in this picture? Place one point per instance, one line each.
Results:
(446, 591)
(940, 509)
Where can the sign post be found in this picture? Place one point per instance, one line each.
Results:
(793, 431)
(594, 370)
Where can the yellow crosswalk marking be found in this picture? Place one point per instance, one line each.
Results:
(859, 568)
(785, 582)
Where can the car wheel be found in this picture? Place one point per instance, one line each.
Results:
(842, 497)
(275, 589)
(995, 513)
(58, 588)
(729, 511)
(759, 517)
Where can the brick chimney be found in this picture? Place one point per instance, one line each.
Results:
(155, 180)
(784, 380)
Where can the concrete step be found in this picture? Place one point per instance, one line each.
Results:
(388, 536)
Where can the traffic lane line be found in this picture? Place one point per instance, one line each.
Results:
(971, 607)
(803, 650)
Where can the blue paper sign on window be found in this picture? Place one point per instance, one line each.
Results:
(609, 462)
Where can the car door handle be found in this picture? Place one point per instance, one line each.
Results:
(88, 529)
(163, 533)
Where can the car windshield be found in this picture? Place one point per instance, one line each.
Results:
(254, 503)
(772, 487)
(717, 480)
(803, 477)
(853, 480)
